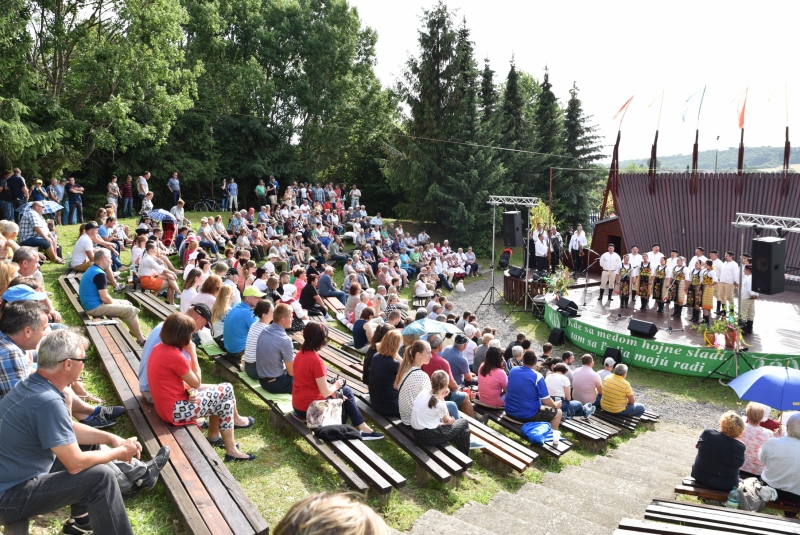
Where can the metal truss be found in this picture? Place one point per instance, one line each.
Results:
(785, 224)
(497, 200)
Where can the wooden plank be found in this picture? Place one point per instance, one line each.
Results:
(705, 524)
(739, 515)
(629, 525)
(383, 468)
(494, 449)
(206, 473)
(124, 392)
(435, 452)
(186, 508)
(521, 451)
(378, 483)
(247, 507)
(404, 442)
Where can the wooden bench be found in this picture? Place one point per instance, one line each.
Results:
(359, 467)
(647, 420)
(207, 497)
(333, 304)
(669, 516)
(151, 303)
(689, 487)
(505, 451)
(592, 435)
(498, 416)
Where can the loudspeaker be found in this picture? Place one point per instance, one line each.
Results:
(613, 353)
(512, 229)
(516, 272)
(556, 337)
(769, 265)
(645, 329)
(567, 308)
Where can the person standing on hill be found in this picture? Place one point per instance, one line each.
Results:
(142, 188)
(174, 186)
(233, 191)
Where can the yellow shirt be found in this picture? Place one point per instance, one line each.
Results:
(615, 394)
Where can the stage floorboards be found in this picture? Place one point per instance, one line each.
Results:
(776, 328)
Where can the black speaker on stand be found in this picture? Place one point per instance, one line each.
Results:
(769, 265)
(567, 308)
(556, 337)
(643, 329)
(512, 229)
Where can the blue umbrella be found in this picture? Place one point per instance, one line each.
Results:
(161, 215)
(50, 207)
(777, 387)
(428, 326)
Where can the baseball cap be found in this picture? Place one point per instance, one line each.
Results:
(609, 362)
(252, 291)
(231, 271)
(202, 310)
(90, 225)
(23, 292)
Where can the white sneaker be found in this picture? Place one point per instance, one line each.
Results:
(588, 410)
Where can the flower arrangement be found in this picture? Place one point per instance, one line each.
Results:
(723, 331)
(559, 282)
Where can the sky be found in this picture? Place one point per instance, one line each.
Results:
(618, 49)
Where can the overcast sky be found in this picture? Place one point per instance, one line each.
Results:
(615, 49)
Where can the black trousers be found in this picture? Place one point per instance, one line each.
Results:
(577, 261)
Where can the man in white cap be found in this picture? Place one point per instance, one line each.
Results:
(608, 368)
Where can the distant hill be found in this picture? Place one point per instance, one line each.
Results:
(755, 159)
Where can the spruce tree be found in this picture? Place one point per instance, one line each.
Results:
(577, 189)
(488, 93)
(515, 133)
(548, 126)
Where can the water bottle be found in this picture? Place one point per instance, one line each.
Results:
(733, 499)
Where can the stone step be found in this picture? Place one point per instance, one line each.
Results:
(543, 519)
(436, 523)
(681, 453)
(643, 458)
(486, 517)
(665, 437)
(573, 476)
(606, 509)
(636, 474)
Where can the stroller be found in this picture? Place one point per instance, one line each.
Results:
(505, 258)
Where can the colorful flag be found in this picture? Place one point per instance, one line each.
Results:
(689, 101)
(741, 107)
(623, 109)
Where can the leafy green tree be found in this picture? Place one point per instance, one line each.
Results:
(577, 190)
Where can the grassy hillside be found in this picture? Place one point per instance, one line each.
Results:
(755, 158)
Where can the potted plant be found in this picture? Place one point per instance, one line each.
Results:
(559, 282)
(724, 330)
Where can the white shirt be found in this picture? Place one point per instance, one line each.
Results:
(236, 297)
(610, 261)
(717, 266)
(781, 458)
(422, 237)
(655, 257)
(541, 247)
(694, 259)
(469, 352)
(747, 287)
(144, 189)
(149, 266)
(672, 262)
(577, 240)
(729, 272)
(420, 288)
(270, 267)
(535, 235)
(79, 255)
(556, 382)
(424, 418)
(186, 299)
(636, 262)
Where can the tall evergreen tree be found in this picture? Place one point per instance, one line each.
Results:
(577, 189)
(548, 120)
(414, 165)
(488, 93)
(515, 133)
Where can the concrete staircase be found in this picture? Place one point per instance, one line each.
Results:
(588, 499)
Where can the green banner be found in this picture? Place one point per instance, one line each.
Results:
(657, 355)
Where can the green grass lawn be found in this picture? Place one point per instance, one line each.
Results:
(287, 469)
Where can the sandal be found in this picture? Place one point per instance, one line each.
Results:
(229, 458)
(250, 422)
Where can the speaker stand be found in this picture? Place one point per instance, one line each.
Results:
(586, 281)
(490, 293)
(526, 294)
(716, 374)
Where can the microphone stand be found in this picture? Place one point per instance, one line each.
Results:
(586, 275)
(669, 328)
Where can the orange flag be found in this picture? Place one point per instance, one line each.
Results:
(741, 107)
(623, 110)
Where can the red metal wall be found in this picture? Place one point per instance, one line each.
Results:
(676, 218)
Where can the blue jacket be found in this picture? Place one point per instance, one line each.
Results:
(325, 285)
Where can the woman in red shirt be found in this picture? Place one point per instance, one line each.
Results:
(180, 398)
(311, 383)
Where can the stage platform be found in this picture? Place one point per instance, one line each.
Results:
(775, 339)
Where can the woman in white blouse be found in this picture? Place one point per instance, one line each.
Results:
(154, 276)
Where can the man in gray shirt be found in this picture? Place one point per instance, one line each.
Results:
(275, 354)
(42, 469)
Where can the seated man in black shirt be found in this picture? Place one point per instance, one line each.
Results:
(310, 299)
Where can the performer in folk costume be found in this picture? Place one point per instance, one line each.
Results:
(624, 274)
(645, 278)
(609, 263)
(694, 295)
(659, 288)
(636, 263)
(748, 300)
(677, 286)
(709, 281)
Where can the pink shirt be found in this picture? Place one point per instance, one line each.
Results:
(491, 386)
(753, 438)
(585, 384)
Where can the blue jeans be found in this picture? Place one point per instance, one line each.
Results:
(175, 196)
(210, 245)
(635, 409)
(339, 295)
(127, 207)
(443, 280)
(454, 401)
(225, 204)
(37, 241)
(7, 210)
(452, 408)
(571, 408)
